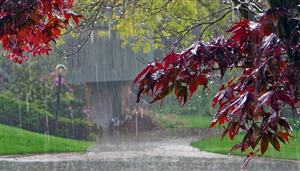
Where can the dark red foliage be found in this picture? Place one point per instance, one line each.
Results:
(28, 27)
(251, 103)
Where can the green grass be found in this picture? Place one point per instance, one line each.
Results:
(182, 121)
(18, 141)
(289, 151)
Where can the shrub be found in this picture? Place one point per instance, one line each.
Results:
(92, 137)
(75, 128)
(29, 116)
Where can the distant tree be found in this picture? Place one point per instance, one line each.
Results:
(159, 24)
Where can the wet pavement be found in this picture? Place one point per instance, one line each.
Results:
(151, 151)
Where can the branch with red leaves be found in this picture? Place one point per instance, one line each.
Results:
(250, 103)
(28, 27)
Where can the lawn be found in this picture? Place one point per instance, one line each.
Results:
(290, 150)
(182, 121)
(19, 141)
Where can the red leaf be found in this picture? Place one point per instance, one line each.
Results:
(274, 141)
(226, 131)
(284, 135)
(170, 58)
(247, 159)
(181, 93)
(202, 80)
(192, 88)
(234, 130)
(240, 32)
(77, 18)
(284, 123)
(242, 24)
(36, 17)
(232, 134)
(222, 119)
(277, 52)
(213, 123)
(150, 67)
(240, 104)
(22, 33)
(218, 95)
(55, 32)
(265, 98)
(215, 100)
(285, 98)
(264, 143)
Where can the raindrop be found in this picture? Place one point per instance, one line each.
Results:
(20, 119)
(96, 74)
(92, 36)
(27, 103)
(109, 30)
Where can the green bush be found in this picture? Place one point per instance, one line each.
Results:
(92, 137)
(29, 116)
(75, 128)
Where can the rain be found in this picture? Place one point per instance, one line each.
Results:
(75, 109)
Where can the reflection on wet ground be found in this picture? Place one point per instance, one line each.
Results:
(168, 150)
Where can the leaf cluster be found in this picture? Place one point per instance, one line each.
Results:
(266, 51)
(28, 27)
